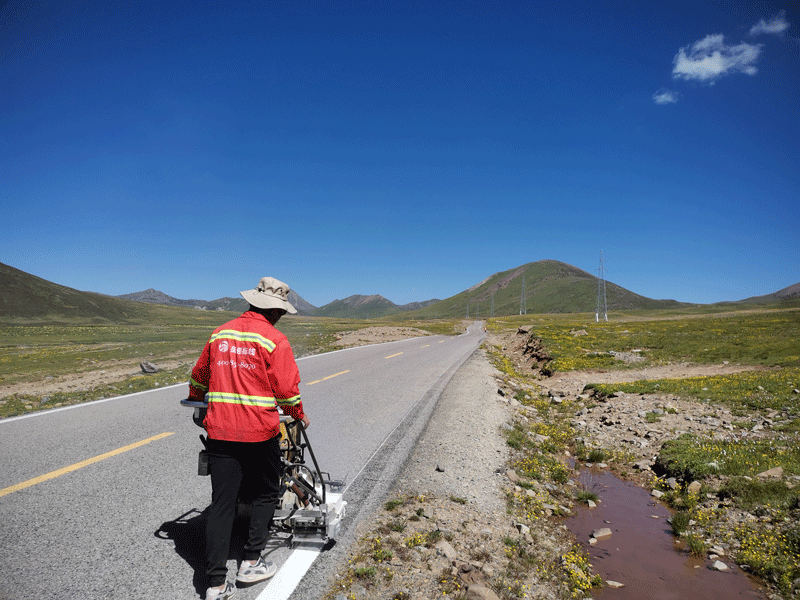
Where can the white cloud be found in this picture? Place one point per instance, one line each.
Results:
(665, 96)
(711, 58)
(777, 25)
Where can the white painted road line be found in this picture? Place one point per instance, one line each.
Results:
(282, 585)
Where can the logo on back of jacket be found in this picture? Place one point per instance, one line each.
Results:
(224, 348)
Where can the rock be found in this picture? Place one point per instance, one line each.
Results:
(591, 504)
(614, 584)
(148, 367)
(720, 566)
(439, 469)
(446, 549)
(512, 476)
(774, 473)
(672, 483)
(479, 592)
(694, 487)
(657, 494)
(601, 533)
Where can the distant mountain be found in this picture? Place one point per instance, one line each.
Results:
(230, 304)
(551, 286)
(152, 296)
(367, 307)
(788, 293)
(25, 298)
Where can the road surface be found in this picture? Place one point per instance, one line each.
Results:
(102, 501)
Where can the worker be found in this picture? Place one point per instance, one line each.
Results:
(246, 371)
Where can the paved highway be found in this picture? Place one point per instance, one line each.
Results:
(101, 501)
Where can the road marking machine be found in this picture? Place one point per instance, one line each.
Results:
(311, 508)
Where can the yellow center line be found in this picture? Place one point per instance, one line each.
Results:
(393, 355)
(328, 377)
(442, 341)
(426, 345)
(80, 465)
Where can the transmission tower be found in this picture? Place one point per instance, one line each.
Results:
(523, 309)
(601, 293)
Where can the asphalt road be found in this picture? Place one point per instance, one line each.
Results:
(102, 501)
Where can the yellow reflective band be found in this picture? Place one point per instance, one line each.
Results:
(293, 401)
(194, 383)
(227, 398)
(244, 336)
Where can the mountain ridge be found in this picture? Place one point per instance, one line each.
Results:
(550, 286)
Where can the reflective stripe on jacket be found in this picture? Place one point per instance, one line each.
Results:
(246, 370)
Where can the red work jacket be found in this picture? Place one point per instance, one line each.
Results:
(247, 369)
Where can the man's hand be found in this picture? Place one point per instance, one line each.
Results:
(305, 421)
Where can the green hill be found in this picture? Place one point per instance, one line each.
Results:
(27, 299)
(550, 287)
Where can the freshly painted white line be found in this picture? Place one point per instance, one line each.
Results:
(282, 585)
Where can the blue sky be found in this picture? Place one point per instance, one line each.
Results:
(403, 149)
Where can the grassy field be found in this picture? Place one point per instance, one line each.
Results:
(768, 338)
(768, 540)
(32, 353)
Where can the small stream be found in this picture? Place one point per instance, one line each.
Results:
(641, 552)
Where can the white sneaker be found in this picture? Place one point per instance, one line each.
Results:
(227, 592)
(258, 572)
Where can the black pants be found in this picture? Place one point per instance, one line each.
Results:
(252, 470)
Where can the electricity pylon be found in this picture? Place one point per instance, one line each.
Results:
(601, 293)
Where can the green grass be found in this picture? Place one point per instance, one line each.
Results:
(744, 392)
(691, 457)
(766, 338)
(749, 494)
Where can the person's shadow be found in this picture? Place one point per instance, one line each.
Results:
(188, 532)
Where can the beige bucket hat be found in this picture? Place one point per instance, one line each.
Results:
(270, 293)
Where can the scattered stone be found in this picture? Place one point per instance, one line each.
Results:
(694, 487)
(720, 566)
(614, 584)
(774, 473)
(657, 494)
(148, 367)
(602, 533)
(479, 592)
(446, 549)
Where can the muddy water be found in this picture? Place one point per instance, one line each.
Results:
(641, 552)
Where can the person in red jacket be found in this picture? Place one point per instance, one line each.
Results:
(246, 371)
